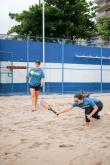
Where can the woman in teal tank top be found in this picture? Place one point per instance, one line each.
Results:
(92, 107)
(35, 80)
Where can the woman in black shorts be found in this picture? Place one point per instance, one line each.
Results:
(92, 107)
(36, 81)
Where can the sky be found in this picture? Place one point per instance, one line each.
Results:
(14, 6)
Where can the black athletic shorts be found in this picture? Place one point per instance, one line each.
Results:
(37, 88)
(90, 109)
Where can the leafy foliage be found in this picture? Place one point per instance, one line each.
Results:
(70, 19)
(103, 28)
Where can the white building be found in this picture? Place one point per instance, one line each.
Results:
(104, 8)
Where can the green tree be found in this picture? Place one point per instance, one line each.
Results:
(103, 28)
(63, 19)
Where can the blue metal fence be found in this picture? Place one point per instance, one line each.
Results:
(70, 67)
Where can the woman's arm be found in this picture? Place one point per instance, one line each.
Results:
(27, 79)
(28, 76)
(42, 82)
(65, 109)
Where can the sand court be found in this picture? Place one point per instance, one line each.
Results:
(42, 138)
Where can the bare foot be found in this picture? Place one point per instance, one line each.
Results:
(34, 110)
(86, 124)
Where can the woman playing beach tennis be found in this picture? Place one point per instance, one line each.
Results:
(36, 81)
(92, 106)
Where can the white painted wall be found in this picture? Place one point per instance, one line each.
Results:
(81, 75)
(106, 73)
(55, 73)
(19, 75)
(5, 74)
(106, 76)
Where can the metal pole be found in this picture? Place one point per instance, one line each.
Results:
(12, 74)
(43, 36)
(63, 66)
(27, 61)
(101, 70)
(39, 2)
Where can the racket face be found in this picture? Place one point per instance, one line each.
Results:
(45, 105)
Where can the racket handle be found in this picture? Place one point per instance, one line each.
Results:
(53, 111)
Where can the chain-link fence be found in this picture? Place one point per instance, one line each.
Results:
(69, 66)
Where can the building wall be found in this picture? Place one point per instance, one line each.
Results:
(81, 69)
(104, 8)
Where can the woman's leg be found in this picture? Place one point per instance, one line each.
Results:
(37, 95)
(87, 112)
(100, 107)
(33, 95)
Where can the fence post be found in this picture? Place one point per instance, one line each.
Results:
(12, 73)
(27, 60)
(43, 37)
(63, 42)
(101, 78)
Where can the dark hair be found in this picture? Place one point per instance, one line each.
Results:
(86, 94)
(37, 62)
(81, 96)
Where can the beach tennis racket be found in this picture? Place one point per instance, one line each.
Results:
(46, 106)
